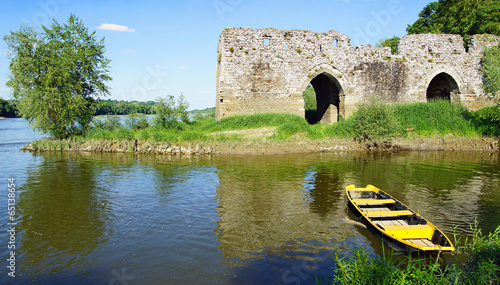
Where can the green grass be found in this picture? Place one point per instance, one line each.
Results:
(373, 122)
(475, 262)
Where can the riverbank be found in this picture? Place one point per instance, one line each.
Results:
(263, 146)
(436, 125)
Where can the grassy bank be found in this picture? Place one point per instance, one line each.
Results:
(374, 125)
(475, 262)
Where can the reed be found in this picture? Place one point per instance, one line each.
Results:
(477, 261)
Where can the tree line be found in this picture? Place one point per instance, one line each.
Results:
(9, 109)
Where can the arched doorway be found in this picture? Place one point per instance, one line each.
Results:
(442, 86)
(328, 99)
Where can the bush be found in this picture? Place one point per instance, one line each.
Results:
(487, 121)
(111, 123)
(169, 113)
(135, 122)
(374, 121)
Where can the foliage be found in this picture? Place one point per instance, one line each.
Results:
(57, 76)
(486, 121)
(391, 42)
(110, 123)
(310, 104)
(8, 109)
(428, 21)
(464, 17)
(374, 121)
(491, 70)
(169, 113)
(437, 117)
(479, 264)
(114, 107)
(137, 122)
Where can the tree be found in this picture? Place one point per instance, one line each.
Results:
(168, 113)
(464, 17)
(165, 112)
(392, 43)
(57, 75)
(428, 21)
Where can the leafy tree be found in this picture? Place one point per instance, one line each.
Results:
(165, 112)
(464, 17)
(57, 76)
(168, 113)
(392, 43)
(181, 109)
(428, 21)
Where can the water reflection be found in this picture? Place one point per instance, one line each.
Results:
(277, 206)
(230, 219)
(63, 215)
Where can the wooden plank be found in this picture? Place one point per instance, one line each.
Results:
(373, 201)
(388, 213)
(403, 222)
(377, 209)
(428, 242)
(417, 242)
(397, 223)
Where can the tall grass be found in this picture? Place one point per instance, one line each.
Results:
(373, 121)
(478, 262)
(439, 117)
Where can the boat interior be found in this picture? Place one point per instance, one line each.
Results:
(395, 219)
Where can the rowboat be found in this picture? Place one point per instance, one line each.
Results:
(400, 226)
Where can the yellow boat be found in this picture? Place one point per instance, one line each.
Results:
(402, 227)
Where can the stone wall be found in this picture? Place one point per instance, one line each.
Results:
(267, 70)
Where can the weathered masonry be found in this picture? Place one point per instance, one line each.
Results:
(267, 70)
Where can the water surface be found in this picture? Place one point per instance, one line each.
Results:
(147, 219)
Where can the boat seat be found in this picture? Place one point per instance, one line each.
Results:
(374, 214)
(410, 232)
(373, 201)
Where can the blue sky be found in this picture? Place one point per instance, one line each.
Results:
(160, 48)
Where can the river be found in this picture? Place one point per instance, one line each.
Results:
(94, 218)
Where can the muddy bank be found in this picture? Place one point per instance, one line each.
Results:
(266, 147)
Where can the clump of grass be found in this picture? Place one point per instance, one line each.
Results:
(479, 263)
(438, 117)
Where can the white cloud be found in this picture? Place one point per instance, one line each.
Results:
(182, 67)
(128, 52)
(114, 27)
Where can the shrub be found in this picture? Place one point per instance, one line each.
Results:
(487, 121)
(374, 121)
(111, 123)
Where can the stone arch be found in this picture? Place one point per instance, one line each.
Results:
(443, 84)
(327, 83)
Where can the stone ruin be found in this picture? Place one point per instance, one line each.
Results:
(268, 70)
